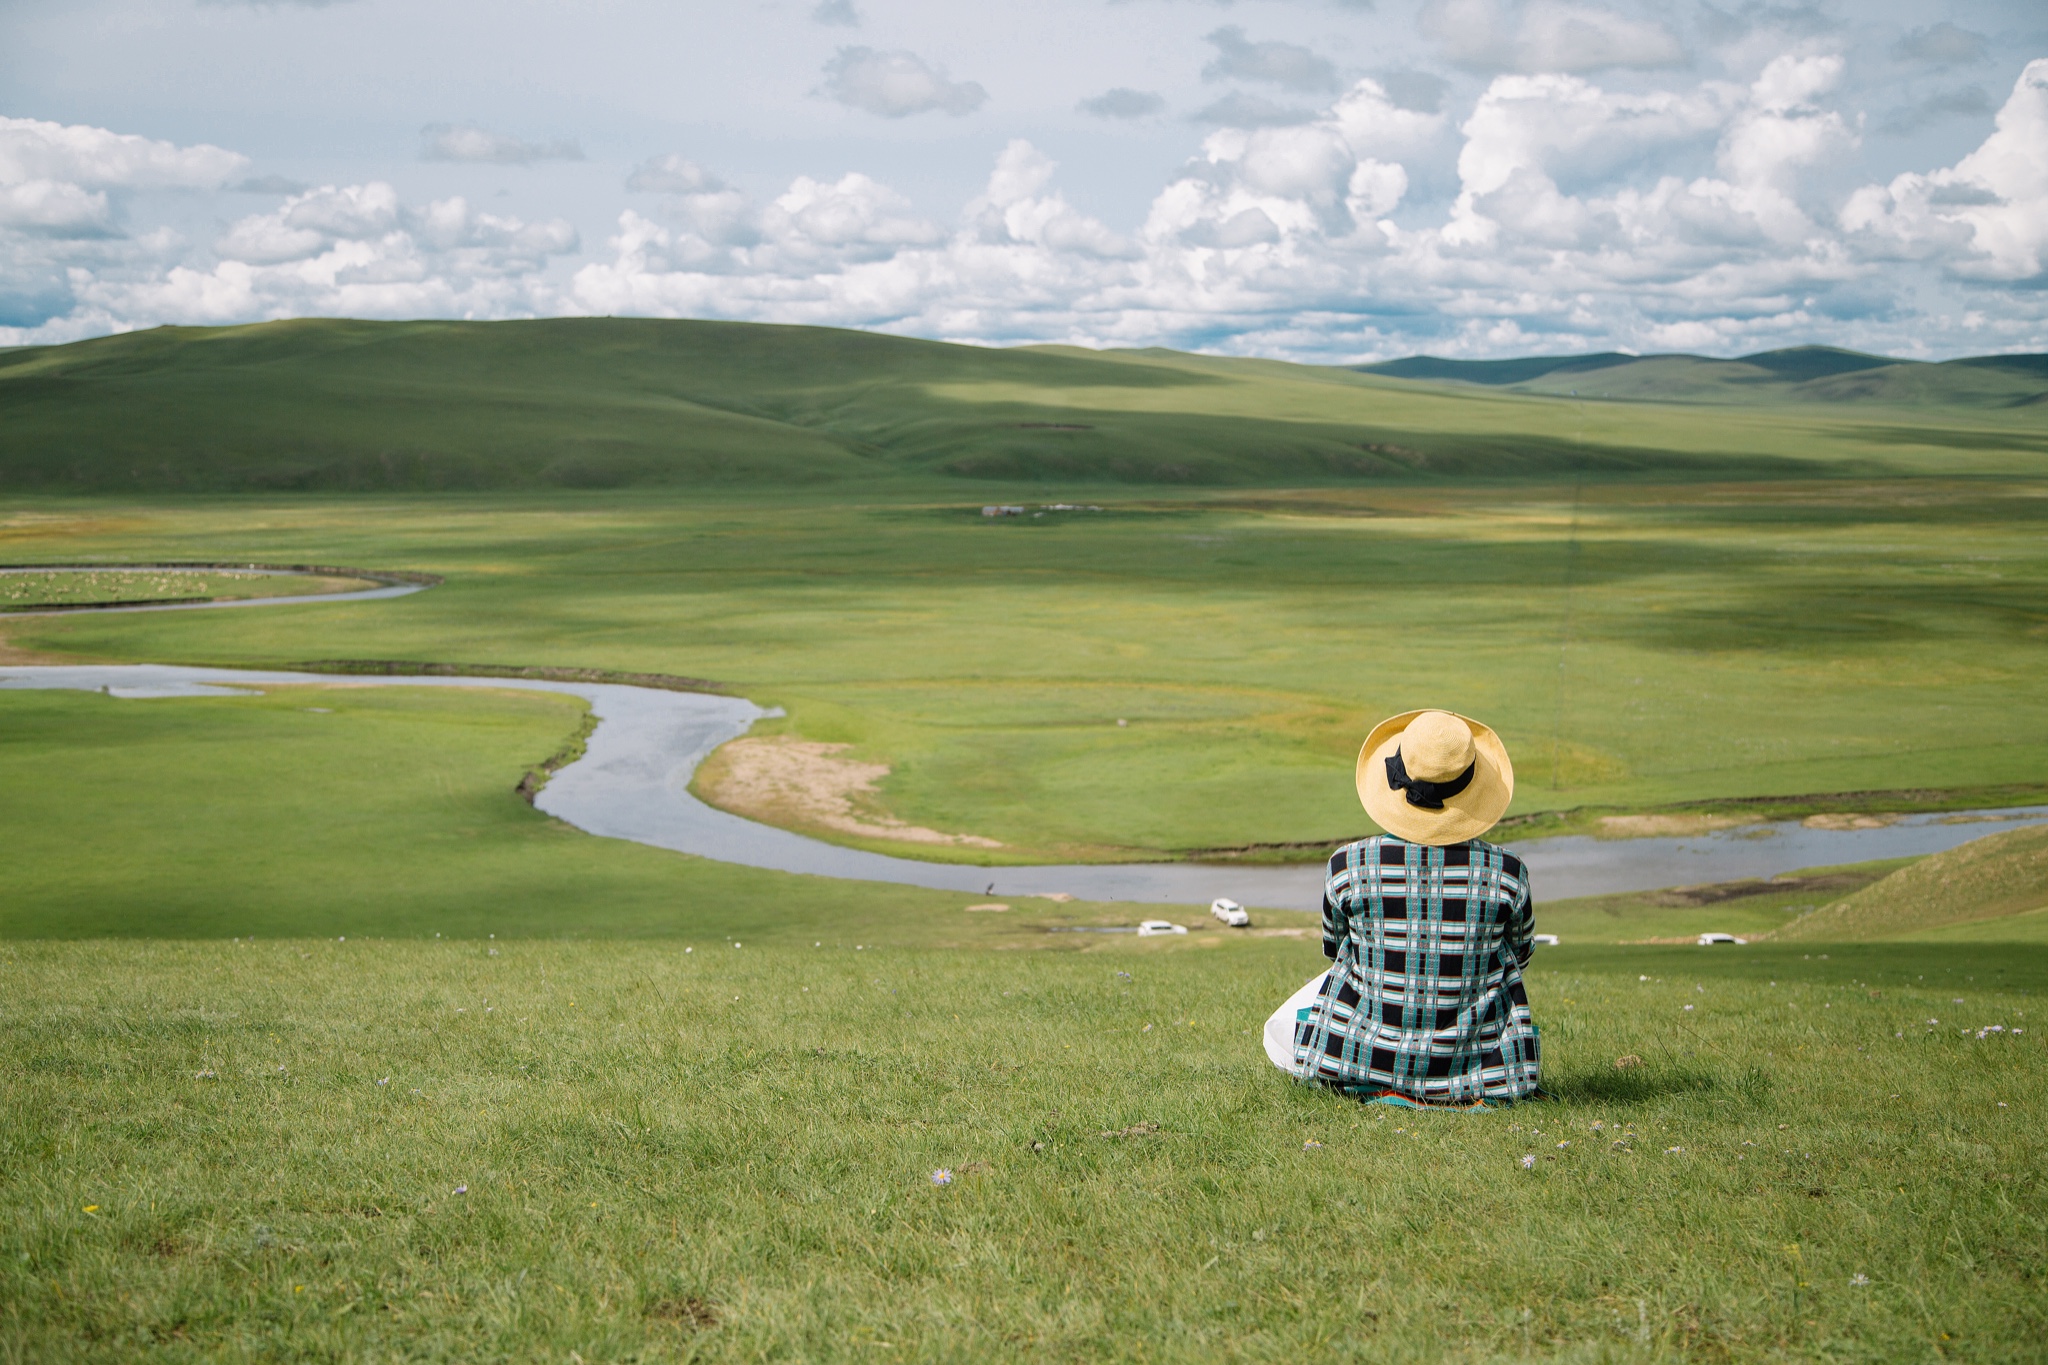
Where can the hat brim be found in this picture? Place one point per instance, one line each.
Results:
(1467, 815)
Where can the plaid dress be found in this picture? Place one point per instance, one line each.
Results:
(1426, 996)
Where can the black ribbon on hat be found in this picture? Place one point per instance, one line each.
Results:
(1427, 795)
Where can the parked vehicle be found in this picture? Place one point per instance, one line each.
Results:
(1548, 940)
(1149, 928)
(1230, 912)
(1707, 940)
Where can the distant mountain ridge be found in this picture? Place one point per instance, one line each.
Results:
(1797, 373)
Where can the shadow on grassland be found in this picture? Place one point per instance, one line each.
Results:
(1090, 445)
(1950, 438)
(1791, 618)
(1648, 1080)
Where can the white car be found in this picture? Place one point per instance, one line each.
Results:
(1230, 912)
(1548, 940)
(1148, 928)
(1707, 940)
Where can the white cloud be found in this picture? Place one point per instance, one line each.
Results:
(1782, 131)
(896, 84)
(1985, 217)
(62, 192)
(467, 142)
(311, 223)
(1285, 238)
(836, 12)
(96, 158)
(852, 250)
(1015, 209)
(53, 208)
(854, 217)
(353, 251)
(1714, 214)
(1527, 132)
(1546, 36)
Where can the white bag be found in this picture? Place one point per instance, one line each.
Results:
(1280, 1028)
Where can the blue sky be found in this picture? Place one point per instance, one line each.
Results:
(1326, 180)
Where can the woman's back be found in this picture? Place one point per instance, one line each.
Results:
(1425, 998)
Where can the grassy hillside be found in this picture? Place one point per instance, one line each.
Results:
(1800, 375)
(1984, 886)
(1680, 914)
(605, 402)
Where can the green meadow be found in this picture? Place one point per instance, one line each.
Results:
(1817, 592)
(536, 1151)
(43, 589)
(1639, 648)
(350, 1053)
(383, 812)
(320, 1043)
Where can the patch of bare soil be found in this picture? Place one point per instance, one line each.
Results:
(687, 1313)
(1135, 1130)
(1665, 826)
(1713, 893)
(1848, 820)
(784, 781)
(13, 654)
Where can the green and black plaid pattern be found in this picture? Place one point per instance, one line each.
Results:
(1426, 996)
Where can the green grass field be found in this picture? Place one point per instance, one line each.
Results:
(235, 1151)
(243, 1081)
(1637, 648)
(1659, 604)
(671, 1147)
(339, 811)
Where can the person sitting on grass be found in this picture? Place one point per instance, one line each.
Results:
(1429, 928)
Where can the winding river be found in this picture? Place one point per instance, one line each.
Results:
(633, 783)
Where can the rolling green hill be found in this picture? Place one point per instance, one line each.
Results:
(1800, 374)
(1979, 889)
(321, 404)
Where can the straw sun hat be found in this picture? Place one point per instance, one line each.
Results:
(1434, 777)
